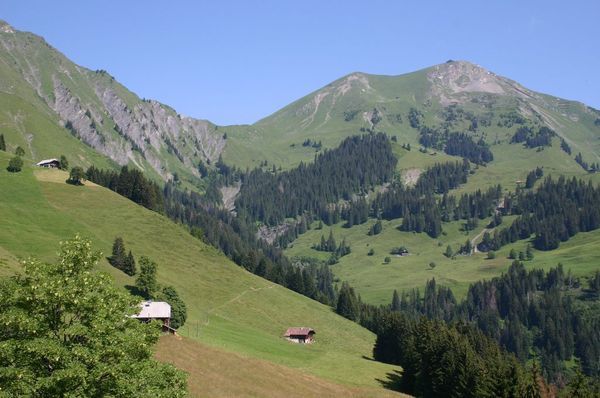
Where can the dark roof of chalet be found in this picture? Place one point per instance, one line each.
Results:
(302, 331)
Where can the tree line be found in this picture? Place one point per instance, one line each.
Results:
(358, 164)
(532, 314)
(556, 211)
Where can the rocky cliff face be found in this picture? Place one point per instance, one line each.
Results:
(103, 114)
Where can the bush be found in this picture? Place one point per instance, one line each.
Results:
(76, 176)
(15, 164)
(491, 255)
(387, 260)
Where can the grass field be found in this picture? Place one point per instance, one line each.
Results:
(228, 308)
(216, 373)
(375, 281)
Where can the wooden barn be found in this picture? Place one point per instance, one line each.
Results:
(156, 310)
(49, 163)
(302, 335)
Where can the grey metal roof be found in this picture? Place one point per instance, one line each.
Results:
(154, 309)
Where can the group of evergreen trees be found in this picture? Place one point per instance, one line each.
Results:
(130, 183)
(533, 176)
(533, 138)
(330, 245)
(439, 360)
(592, 168)
(120, 259)
(453, 143)
(422, 210)
(529, 313)
(358, 164)
(553, 213)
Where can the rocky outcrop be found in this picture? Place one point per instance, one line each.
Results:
(94, 108)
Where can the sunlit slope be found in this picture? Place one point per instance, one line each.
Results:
(227, 306)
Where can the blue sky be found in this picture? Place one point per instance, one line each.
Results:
(238, 61)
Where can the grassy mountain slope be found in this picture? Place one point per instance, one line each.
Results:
(375, 281)
(52, 106)
(228, 308)
(217, 373)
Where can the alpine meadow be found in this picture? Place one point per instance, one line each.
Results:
(428, 234)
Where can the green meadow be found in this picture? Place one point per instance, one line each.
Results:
(228, 308)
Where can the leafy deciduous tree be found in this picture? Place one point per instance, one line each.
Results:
(65, 330)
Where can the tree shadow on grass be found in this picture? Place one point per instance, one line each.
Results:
(393, 381)
(135, 291)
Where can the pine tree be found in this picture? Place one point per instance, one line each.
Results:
(129, 264)
(118, 258)
(529, 252)
(347, 304)
(448, 252)
(513, 254)
(331, 245)
(395, 301)
(2, 143)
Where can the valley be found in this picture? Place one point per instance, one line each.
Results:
(335, 213)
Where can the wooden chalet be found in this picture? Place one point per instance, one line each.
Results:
(49, 163)
(156, 310)
(302, 335)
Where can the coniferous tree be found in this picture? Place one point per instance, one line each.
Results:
(347, 304)
(129, 264)
(20, 151)
(448, 253)
(119, 256)
(2, 143)
(15, 164)
(395, 301)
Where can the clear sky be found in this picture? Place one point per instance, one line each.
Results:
(238, 61)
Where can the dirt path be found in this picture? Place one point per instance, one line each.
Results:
(479, 235)
(239, 296)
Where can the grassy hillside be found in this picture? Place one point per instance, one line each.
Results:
(228, 307)
(375, 281)
(217, 373)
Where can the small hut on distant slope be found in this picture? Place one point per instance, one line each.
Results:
(300, 335)
(49, 163)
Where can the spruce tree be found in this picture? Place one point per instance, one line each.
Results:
(129, 264)
(2, 143)
(347, 304)
(448, 252)
(395, 301)
(529, 252)
(118, 258)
